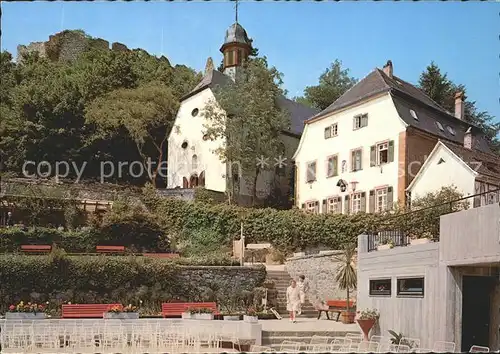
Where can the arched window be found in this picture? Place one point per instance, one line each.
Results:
(194, 162)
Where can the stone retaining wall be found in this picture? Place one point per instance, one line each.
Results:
(320, 269)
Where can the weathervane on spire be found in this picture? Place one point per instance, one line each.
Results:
(236, 8)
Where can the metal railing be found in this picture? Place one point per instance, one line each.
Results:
(395, 238)
(402, 238)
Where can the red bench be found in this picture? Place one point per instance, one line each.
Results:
(161, 255)
(36, 248)
(110, 249)
(337, 306)
(86, 310)
(178, 308)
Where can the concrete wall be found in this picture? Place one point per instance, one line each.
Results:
(383, 124)
(320, 270)
(415, 317)
(471, 236)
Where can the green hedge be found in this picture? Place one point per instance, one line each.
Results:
(288, 230)
(86, 279)
(85, 241)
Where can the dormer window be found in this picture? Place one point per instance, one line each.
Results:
(451, 130)
(440, 126)
(413, 114)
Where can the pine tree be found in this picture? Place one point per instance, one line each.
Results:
(442, 90)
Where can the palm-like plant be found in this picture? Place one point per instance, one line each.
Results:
(346, 272)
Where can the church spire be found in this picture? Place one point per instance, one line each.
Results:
(236, 10)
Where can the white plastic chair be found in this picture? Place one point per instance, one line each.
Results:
(479, 349)
(260, 349)
(290, 346)
(318, 344)
(387, 348)
(402, 348)
(411, 342)
(380, 339)
(367, 347)
(443, 347)
(340, 344)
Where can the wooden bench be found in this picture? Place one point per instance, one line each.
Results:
(178, 308)
(86, 310)
(161, 255)
(336, 306)
(110, 249)
(36, 248)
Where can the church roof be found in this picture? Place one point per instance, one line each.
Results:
(406, 97)
(299, 113)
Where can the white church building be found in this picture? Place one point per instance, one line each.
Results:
(192, 160)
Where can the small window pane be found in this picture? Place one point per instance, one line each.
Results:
(411, 287)
(380, 287)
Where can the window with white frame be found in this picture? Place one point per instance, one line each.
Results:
(360, 121)
(332, 166)
(356, 203)
(356, 159)
(311, 172)
(382, 153)
(381, 200)
(331, 131)
(333, 205)
(312, 207)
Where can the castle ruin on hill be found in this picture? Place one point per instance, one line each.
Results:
(66, 46)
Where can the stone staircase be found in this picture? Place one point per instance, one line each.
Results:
(281, 280)
(274, 339)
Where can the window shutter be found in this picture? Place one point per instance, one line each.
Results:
(324, 211)
(185, 183)
(390, 153)
(364, 120)
(390, 198)
(327, 132)
(373, 155)
(363, 202)
(353, 161)
(316, 206)
(360, 160)
(335, 166)
(339, 205)
(347, 205)
(371, 202)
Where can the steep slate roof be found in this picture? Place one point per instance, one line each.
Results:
(407, 97)
(299, 113)
(489, 163)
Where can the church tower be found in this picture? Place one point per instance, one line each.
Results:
(236, 48)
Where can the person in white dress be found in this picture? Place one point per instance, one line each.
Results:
(292, 299)
(303, 285)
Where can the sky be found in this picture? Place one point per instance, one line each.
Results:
(300, 38)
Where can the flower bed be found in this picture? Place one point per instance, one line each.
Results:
(123, 313)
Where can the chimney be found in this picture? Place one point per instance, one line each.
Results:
(388, 68)
(459, 105)
(209, 66)
(468, 139)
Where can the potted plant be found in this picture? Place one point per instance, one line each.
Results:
(251, 316)
(398, 338)
(231, 316)
(122, 313)
(27, 311)
(366, 319)
(423, 239)
(202, 314)
(385, 244)
(346, 278)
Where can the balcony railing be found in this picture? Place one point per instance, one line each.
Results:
(396, 238)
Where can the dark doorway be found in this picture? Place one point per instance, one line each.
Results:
(476, 314)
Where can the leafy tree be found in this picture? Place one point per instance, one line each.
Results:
(146, 114)
(332, 84)
(442, 90)
(247, 120)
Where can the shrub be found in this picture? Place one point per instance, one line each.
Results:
(128, 280)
